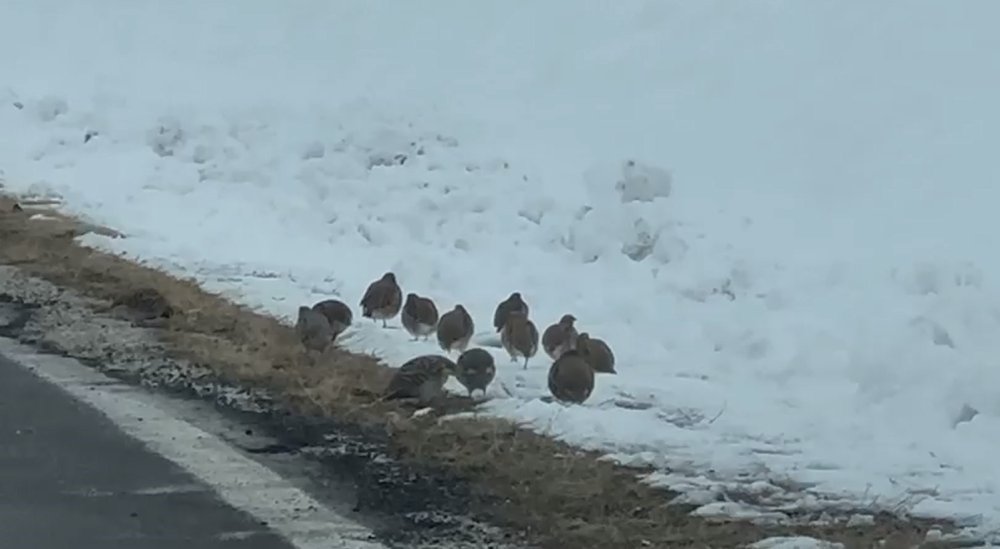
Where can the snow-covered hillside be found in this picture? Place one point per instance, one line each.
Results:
(779, 214)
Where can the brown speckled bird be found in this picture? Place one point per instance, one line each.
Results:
(571, 379)
(419, 316)
(519, 337)
(422, 378)
(597, 353)
(476, 369)
(559, 337)
(507, 306)
(455, 329)
(144, 307)
(382, 299)
(313, 329)
(337, 313)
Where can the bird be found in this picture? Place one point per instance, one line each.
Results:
(519, 337)
(422, 378)
(560, 337)
(597, 353)
(513, 303)
(146, 303)
(144, 307)
(419, 316)
(382, 299)
(476, 370)
(337, 313)
(455, 329)
(313, 329)
(571, 379)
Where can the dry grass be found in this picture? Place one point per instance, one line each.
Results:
(559, 496)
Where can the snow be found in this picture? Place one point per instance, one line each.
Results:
(780, 215)
(797, 542)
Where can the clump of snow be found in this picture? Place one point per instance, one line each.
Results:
(795, 542)
(49, 107)
(738, 511)
(642, 182)
(165, 137)
(784, 235)
(860, 520)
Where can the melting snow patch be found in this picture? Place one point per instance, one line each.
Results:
(730, 509)
(795, 542)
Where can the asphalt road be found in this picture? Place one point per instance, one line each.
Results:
(70, 479)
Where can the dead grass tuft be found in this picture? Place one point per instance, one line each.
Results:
(561, 497)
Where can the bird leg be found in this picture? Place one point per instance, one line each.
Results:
(525, 363)
(384, 324)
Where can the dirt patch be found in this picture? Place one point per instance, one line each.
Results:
(557, 496)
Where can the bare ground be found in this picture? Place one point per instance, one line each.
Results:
(553, 494)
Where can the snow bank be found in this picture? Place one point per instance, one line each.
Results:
(780, 216)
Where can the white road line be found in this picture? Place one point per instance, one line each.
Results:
(172, 489)
(241, 482)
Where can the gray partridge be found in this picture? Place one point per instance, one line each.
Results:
(422, 378)
(419, 316)
(144, 306)
(597, 353)
(455, 329)
(337, 313)
(476, 370)
(313, 329)
(571, 379)
(382, 299)
(559, 337)
(519, 337)
(507, 306)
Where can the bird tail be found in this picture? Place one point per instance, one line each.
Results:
(394, 395)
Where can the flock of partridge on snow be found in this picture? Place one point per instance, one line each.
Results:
(576, 355)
